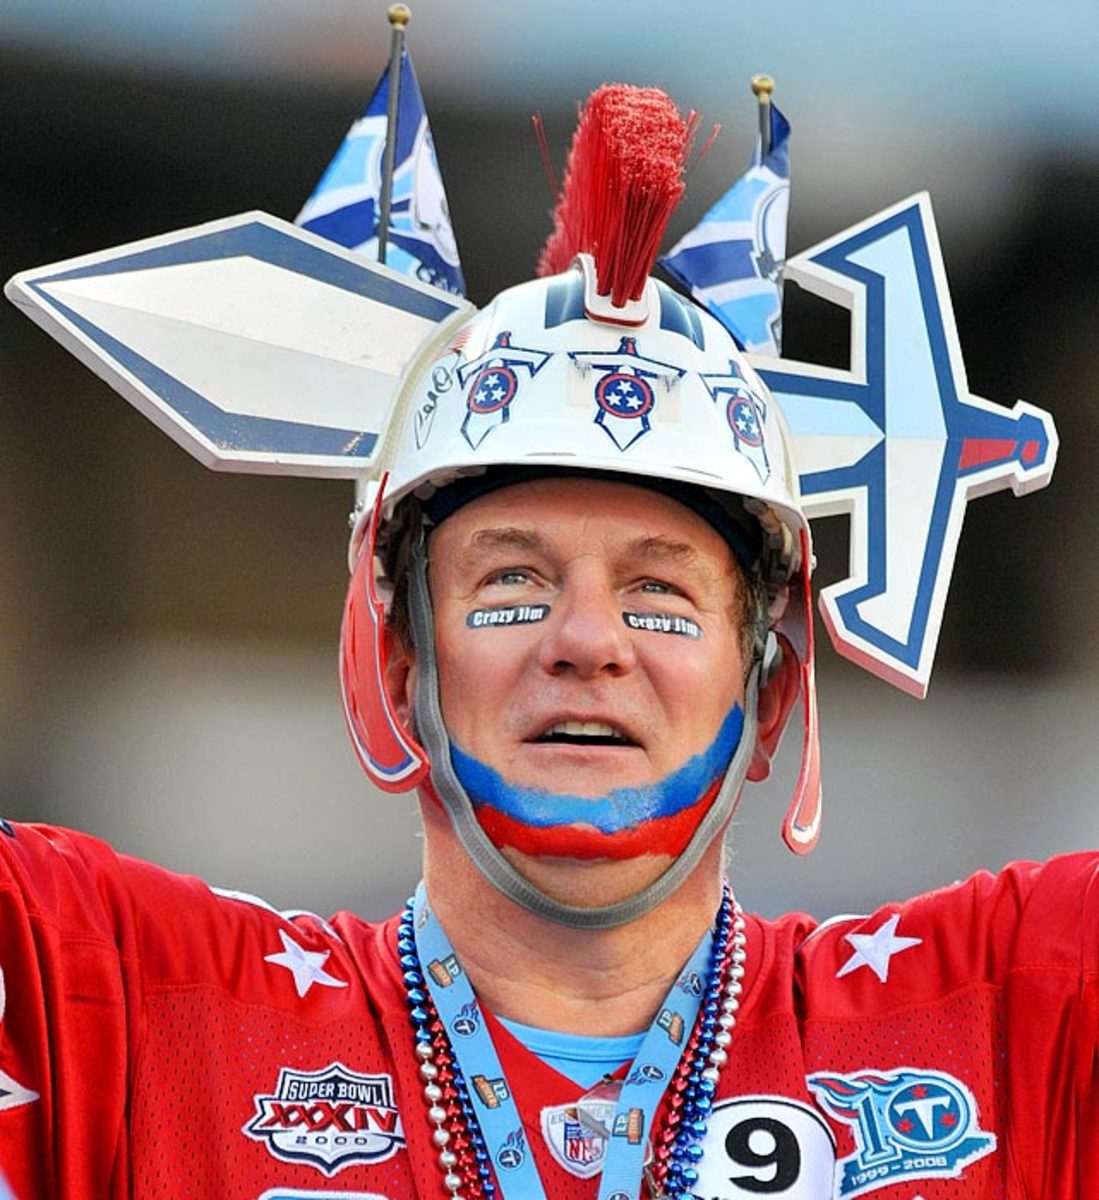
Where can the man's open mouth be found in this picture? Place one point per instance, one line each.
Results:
(584, 733)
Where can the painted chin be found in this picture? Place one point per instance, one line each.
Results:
(557, 819)
(657, 836)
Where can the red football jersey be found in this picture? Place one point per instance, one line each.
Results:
(161, 1040)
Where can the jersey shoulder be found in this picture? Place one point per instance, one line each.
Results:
(61, 887)
(989, 929)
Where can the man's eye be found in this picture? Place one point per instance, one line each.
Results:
(656, 587)
(509, 578)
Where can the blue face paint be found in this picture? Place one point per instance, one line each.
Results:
(620, 809)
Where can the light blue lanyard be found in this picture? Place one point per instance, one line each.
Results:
(497, 1114)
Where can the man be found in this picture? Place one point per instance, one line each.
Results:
(594, 581)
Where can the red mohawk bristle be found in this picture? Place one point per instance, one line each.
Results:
(623, 179)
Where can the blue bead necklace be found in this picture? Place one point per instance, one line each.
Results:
(463, 1155)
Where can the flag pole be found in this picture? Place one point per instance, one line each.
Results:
(763, 86)
(399, 15)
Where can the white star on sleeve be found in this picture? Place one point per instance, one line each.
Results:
(307, 966)
(874, 950)
(12, 1092)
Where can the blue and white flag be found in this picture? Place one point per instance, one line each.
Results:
(346, 205)
(733, 258)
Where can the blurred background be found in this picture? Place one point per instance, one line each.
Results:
(168, 635)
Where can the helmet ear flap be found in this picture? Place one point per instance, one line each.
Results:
(388, 752)
(771, 658)
(801, 827)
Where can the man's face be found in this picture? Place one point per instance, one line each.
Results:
(587, 633)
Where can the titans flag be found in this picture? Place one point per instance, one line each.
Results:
(346, 205)
(733, 258)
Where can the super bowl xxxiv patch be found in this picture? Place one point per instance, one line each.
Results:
(329, 1118)
(907, 1124)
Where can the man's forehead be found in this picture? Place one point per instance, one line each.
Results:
(659, 517)
(645, 540)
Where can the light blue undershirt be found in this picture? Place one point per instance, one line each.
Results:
(583, 1059)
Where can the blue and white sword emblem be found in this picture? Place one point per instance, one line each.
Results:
(897, 441)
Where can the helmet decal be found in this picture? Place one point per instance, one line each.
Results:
(492, 382)
(625, 391)
(745, 413)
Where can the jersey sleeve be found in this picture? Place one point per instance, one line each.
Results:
(989, 988)
(1050, 966)
(1029, 937)
(69, 1014)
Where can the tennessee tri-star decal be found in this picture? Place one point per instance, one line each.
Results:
(306, 966)
(492, 381)
(897, 441)
(625, 386)
(875, 950)
(745, 412)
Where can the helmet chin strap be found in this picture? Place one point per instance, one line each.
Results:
(486, 857)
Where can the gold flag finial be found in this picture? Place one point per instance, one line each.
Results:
(763, 86)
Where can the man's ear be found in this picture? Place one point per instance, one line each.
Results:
(776, 700)
(400, 676)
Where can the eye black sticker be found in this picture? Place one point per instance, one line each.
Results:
(663, 623)
(516, 614)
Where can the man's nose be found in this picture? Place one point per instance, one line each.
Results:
(585, 633)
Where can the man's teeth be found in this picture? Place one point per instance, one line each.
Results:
(593, 729)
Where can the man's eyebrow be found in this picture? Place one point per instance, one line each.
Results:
(508, 537)
(662, 549)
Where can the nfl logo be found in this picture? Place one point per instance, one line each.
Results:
(577, 1146)
(581, 1146)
